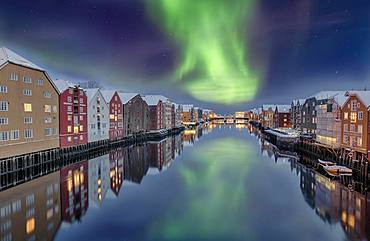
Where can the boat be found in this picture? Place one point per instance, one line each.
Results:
(336, 171)
(326, 163)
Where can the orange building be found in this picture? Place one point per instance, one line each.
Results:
(29, 107)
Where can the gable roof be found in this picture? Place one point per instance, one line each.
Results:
(126, 97)
(63, 85)
(6, 55)
(91, 93)
(187, 108)
(266, 107)
(154, 99)
(364, 96)
(283, 108)
(108, 94)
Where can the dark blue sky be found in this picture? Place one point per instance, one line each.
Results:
(303, 46)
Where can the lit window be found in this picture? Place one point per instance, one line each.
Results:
(359, 141)
(81, 128)
(345, 115)
(353, 117)
(13, 77)
(69, 139)
(75, 130)
(27, 107)
(111, 117)
(69, 118)
(81, 137)
(47, 108)
(4, 105)
(81, 117)
(3, 89)
(30, 225)
(359, 128)
(69, 129)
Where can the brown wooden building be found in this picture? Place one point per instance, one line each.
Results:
(29, 107)
(282, 117)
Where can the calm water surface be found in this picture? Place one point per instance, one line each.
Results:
(218, 183)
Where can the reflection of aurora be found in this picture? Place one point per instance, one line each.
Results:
(212, 204)
(211, 33)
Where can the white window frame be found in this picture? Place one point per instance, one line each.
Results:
(28, 133)
(13, 77)
(3, 89)
(4, 106)
(14, 135)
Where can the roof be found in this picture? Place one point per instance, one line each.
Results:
(63, 85)
(91, 92)
(108, 94)
(126, 97)
(187, 108)
(266, 107)
(300, 101)
(6, 55)
(326, 94)
(364, 96)
(283, 108)
(154, 99)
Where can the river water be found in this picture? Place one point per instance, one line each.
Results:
(215, 183)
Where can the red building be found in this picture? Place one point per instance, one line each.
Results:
(282, 117)
(156, 111)
(74, 191)
(173, 116)
(115, 114)
(116, 170)
(72, 114)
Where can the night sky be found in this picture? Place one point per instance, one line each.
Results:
(236, 54)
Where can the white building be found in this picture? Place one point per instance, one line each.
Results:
(99, 181)
(98, 116)
(178, 111)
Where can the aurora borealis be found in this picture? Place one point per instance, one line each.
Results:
(225, 55)
(213, 65)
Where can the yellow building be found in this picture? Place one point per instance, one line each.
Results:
(29, 109)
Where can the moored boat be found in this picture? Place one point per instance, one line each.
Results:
(338, 170)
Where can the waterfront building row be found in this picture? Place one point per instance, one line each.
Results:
(38, 113)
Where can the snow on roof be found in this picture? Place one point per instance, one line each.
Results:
(108, 94)
(154, 99)
(299, 101)
(326, 94)
(126, 97)
(283, 108)
(187, 108)
(266, 107)
(91, 92)
(364, 96)
(6, 55)
(63, 85)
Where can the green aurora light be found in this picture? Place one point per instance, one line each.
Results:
(213, 65)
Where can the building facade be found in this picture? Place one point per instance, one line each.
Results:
(267, 115)
(295, 113)
(282, 117)
(97, 116)
(115, 114)
(136, 115)
(29, 107)
(156, 111)
(355, 124)
(188, 115)
(72, 114)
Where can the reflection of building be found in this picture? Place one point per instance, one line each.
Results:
(31, 211)
(74, 191)
(99, 182)
(116, 170)
(136, 163)
(156, 154)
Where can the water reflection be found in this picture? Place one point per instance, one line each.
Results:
(221, 188)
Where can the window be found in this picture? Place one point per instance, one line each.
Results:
(13, 77)
(27, 79)
(27, 92)
(69, 129)
(345, 127)
(345, 115)
(353, 105)
(69, 118)
(4, 135)
(359, 128)
(81, 117)
(81, 137)
(345, 139)
(81, 128)
(48, 120)
(81, 100)
(47, 108)
(69, 99)
(14, 135)
(69, 139)
(55, 109)
(28, 133)
(27, 107)
(47, 94)
(353, 117)
(4, 121)
(360, 115)
(28, 120)
(40, 82)
(81, 109)
(4, 105)
(69, 108)
(352, 128)
(3, 89)
(48, 131)
(359, 141)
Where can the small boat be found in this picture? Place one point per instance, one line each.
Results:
(326, 163)
(336, 171)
